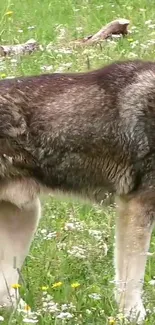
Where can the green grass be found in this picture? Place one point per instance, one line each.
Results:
(54, 24)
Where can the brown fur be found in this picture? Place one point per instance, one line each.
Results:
(84, 133)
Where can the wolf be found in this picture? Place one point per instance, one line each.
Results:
(81, 133)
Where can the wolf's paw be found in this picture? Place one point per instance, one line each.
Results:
(135, 313)
(12, 300)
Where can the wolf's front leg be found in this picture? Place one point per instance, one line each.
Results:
(134, 226)
(17, 227)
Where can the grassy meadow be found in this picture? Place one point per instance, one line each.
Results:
(68, 276)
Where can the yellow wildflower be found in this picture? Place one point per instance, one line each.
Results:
(27, 308)
(8, 13)
(130, 39)
(44, 288)
(3, 75)
(16, 286)
(57, 284)
(75, 285)
(111, 320)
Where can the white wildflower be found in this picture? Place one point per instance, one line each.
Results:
(48, 236)
(97, 234)
(151, 26)
(95, 296)
(61, 246)
(67, 64)
(63, 51)
(148, 22)
(47, 67)
(53, 307)
(104, 247)
(69, 226)
(43, 231)
(49, 305)
(134, 44)
(65, 315)
(100, 7)
(30, 27)
(62, 31)
(133, 28)
(152, 282)
(30, 321)
(60, 69)
(79, 29)
(144, 46)
(65, 307)
(10, 77)
(132, 55)
(73, 224)
(77, 251)
(14, 61)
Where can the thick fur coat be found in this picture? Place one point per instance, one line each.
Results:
(80, 133)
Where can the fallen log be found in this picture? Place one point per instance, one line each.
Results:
(115, 27)
(19, 49)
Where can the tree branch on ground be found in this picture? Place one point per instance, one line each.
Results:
(19, 49)
(115, 27)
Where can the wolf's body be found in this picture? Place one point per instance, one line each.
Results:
(80, 133)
